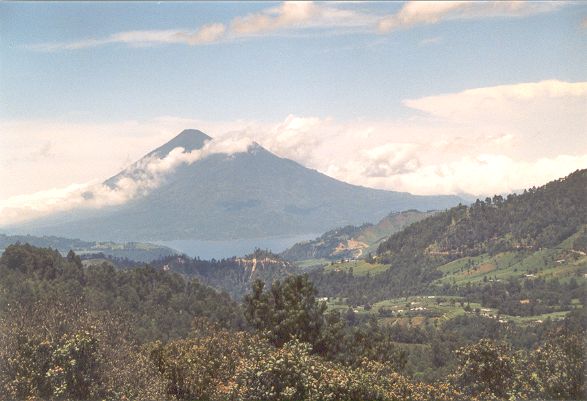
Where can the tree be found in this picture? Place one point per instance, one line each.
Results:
(50, 351)
(558, 366)
(289, 310)
(486, 369)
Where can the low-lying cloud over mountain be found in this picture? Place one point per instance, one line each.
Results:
(137, 180)
(194, 187)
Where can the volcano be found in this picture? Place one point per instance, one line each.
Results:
(251, 193)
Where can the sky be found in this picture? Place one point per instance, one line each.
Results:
(425, 97)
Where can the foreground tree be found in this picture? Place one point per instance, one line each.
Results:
(288, 310)
(64, 352)
(487, 370)
(558, 367)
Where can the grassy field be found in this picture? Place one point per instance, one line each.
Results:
(421, 310)
(312, 263)
(557, 263)
(359, 267)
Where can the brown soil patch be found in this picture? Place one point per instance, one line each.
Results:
(484, 268)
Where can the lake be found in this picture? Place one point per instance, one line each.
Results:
(206, 249)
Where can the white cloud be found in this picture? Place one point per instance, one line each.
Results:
(293, 16)
(298, 15)
(137, 180)
(480, 141)
(431, 12)
(205, 35)
(77, 151)
(533, 115)
(287, 16)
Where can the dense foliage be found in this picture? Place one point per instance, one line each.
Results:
(540, 217)
(68, 332)
(73, 329)
(52, 350)
(233, 275)
(162, 304)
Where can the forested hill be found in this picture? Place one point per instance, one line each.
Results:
(158, 305)
(352, 242)
(540, 234)
(233, 275)
(540, 217)
(135, 251)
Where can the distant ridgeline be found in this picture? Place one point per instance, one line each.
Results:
(540, 234)
(135, 251)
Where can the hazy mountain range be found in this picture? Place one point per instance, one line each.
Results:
(135, 251)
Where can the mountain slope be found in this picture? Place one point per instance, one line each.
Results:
(240, 195)
(233, 275)
(540, 234)
(353, 242)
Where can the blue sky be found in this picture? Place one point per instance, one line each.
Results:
(339, 74)
(294, 76)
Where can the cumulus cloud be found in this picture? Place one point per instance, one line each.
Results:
(529, 114)
(431, 12)
(137, 180)
(479, 141)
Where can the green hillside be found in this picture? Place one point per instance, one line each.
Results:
(233, 275)
(351, 242)
(537, 236)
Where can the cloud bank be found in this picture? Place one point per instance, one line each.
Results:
(480, 141)
(305, 16)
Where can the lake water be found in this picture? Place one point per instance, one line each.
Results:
(237, 247)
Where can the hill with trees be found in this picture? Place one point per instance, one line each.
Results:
(351, 242)
(539, 234)
(234, 275)
(160, 305)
